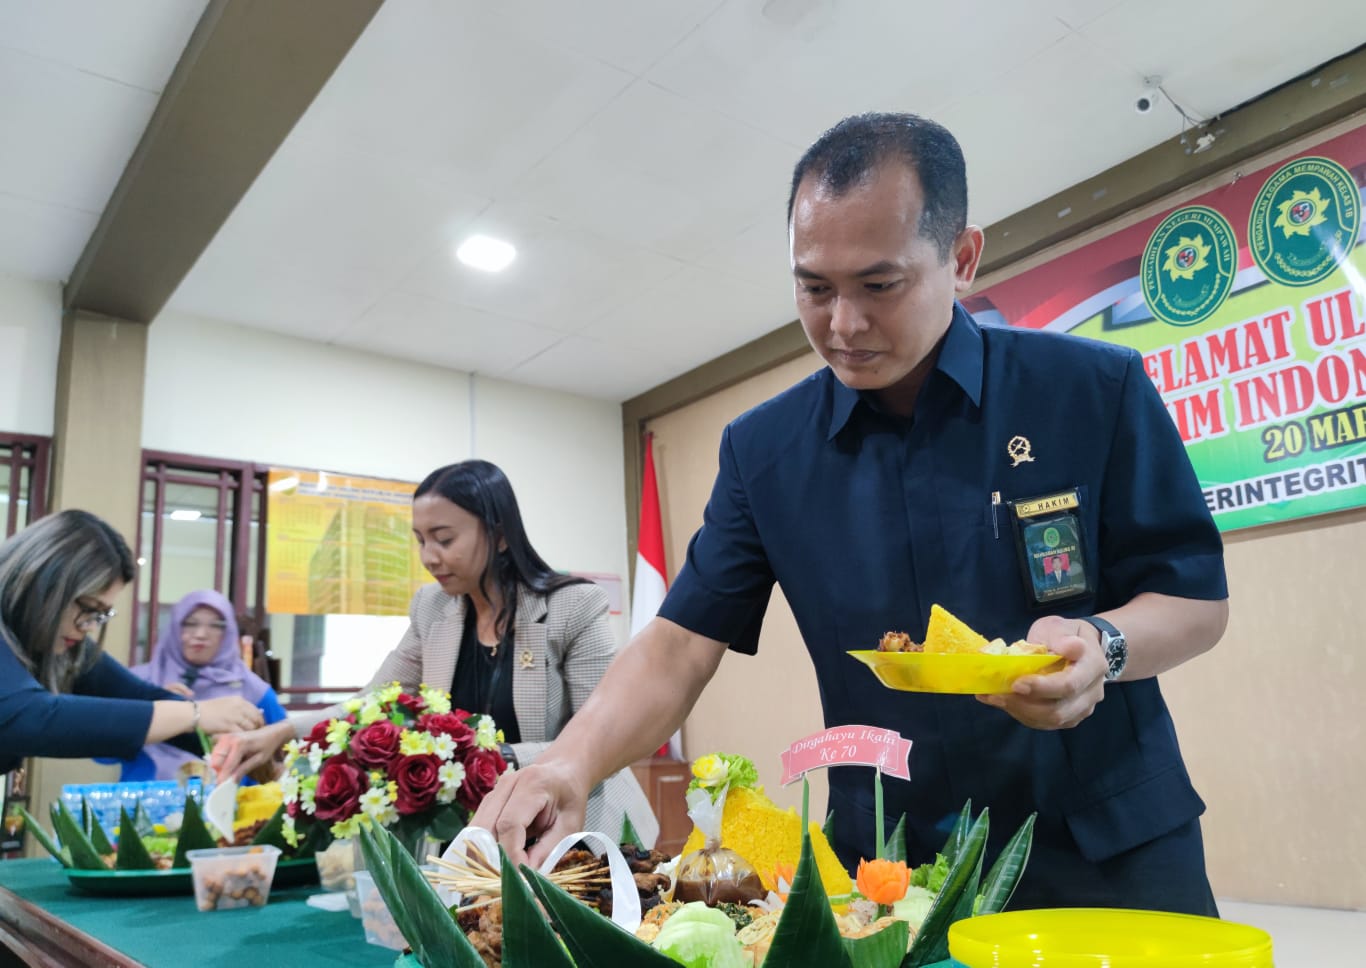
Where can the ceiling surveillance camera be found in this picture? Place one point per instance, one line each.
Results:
(1147, 99)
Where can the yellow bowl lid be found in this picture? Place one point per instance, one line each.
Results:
(1106, 938)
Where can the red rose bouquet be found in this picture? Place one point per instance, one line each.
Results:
(409, 763)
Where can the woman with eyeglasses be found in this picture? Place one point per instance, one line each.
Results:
(60, 694)
(198, 656)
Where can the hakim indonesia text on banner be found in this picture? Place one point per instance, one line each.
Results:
(1248, 305)
(849, 746)
(651, 583)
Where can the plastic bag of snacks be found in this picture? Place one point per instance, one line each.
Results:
(714, 874)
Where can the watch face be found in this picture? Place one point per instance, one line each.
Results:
(1116, 654)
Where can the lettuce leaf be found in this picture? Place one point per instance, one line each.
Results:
(697, 936)
(931, 876)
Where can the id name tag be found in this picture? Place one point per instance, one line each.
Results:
(1051, 547)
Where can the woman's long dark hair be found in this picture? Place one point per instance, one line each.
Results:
(483, 490)
(43, 569)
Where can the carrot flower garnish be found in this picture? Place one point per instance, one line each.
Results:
(883, 881)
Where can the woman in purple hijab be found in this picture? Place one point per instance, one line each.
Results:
(198, 655)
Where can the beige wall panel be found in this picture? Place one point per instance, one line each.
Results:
(96, 466)
(1271, 721)
(756, 705)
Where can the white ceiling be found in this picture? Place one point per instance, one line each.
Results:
(635, 151)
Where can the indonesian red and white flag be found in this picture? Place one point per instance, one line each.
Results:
(651, 583)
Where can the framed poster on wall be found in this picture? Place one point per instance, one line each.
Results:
(337, 544)
(1248, 304)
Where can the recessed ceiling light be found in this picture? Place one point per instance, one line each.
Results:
(185, 514)
(488, 254)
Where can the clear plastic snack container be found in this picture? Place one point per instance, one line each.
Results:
(232, 877)
(379, 925)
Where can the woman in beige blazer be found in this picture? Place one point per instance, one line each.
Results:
(500, 628)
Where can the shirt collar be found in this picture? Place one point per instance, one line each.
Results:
(960, 359)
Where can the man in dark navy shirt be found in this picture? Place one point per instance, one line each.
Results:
(920, 467)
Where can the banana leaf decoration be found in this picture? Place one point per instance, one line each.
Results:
(193, 834)
(426, 924)
(955, 899)
(593, 940)
(1005, 874)
(806, 937)
(527, 938)
(83, 853)
(83, 844)
(90, 823)
(886, 949)
(807, 934)
(132, 855)
(39, 834)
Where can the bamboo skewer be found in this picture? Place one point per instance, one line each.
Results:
(473, 876)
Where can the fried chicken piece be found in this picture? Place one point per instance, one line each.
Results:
(898, 642)
(642, 861)
(650, 883)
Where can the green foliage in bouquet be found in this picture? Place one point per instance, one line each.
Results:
(408, 762)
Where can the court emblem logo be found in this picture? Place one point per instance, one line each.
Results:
(1188, 266)
(1304, 221)
(1018, 450)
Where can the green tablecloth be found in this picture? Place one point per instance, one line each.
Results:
(165, 931)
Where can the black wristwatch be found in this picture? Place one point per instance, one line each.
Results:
(1113, 645)
(509, 755)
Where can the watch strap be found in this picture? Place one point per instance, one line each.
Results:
(1113, 646)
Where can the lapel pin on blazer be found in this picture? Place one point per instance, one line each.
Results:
(528, 660)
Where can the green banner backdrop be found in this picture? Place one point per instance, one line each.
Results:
(1248, 304)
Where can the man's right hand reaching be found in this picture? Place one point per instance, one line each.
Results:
(532, 809)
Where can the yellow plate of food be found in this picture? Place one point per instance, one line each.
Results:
(973, 675)
(955, 659)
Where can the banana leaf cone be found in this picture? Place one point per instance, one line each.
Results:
(807, 935)
(84, 844)
(426, 924)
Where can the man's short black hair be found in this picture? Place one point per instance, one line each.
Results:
(850, 152)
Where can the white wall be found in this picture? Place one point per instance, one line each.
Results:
(219, 390)
(30, 335)
(564, 457)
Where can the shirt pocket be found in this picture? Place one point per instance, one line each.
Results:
(981, 551)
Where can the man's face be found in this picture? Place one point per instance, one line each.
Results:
(873, 294)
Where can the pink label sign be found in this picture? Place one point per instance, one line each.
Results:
(849, 746)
